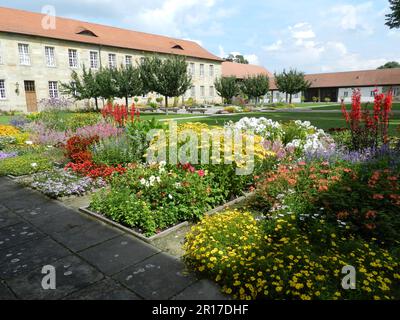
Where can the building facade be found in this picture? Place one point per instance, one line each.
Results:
(34, 60)
(339, 86)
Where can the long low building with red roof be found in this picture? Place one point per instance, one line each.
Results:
(334, 86)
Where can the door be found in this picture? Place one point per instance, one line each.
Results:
(30, 94)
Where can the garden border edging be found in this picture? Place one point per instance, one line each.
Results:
(130, 231)
(165, 232)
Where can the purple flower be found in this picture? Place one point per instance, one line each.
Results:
(5, 155)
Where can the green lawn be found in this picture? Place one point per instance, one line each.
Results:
(396, 106)
(5, 119)
(321, 120)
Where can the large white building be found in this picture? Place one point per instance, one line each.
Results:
(38, 53)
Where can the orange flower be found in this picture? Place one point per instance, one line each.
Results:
(347, 170)
(378, 197)
(323, 188)
(371, 214)
(370, 226)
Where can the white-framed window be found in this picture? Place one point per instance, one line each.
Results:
(53, 89)
(201, 70)
(296, 96)
(346, 94)
(94, 59)
(192, 69)
(49, 53)
(396, 92)
(3, 89)
(112, 60)
(372, 94)
(24, 58)
(202, 91)
(212, 92)
(193, 91)
(128, 61)
(142, 60)
(211, 70)
(73, 58)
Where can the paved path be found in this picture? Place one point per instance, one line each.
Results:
(92, 260)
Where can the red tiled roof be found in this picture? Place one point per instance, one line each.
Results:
(242, 71)
(366, 78)
(29, 23)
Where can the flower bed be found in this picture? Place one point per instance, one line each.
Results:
(61, 183)
(276, 259)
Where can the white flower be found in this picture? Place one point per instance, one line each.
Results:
(34, 165)
(170, 196)
(177, 185)
(143, 182)
(29, 142)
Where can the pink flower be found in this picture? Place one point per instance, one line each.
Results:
(201, 173)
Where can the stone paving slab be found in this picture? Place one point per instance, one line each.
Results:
(8, 218)
(5, 292)
(87, 235)
(117, 254)
(18, 234)
(201, 290)
(106, 289)
(22, 259)
(36, 231)
(72, 274)
(157, 278)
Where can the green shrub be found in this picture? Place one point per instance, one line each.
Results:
(24, 164)
(152, 199)
(276, 259)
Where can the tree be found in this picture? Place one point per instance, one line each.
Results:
(255, 86)
(83, 87)
(291, 82)
(390, 65)
(227, 88)
(393, 19)
(105, 84)
(237, 58)
(168, 77)
(127, 82)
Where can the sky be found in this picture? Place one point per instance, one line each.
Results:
(309, 35)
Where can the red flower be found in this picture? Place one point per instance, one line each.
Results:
(201, 173)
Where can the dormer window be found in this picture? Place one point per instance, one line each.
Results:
(86, 32)
(178, 47)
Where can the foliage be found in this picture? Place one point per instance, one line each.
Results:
(24, 164)
(393, 19)
(227, 88)
(114, 151)
(358, 200)
(154, 198)
(390, 65)
(55, 104)
(255, 86)
(62, 183)
(127, 82)
(237, 59)
(291, 82)
(277, 259)
(168, 76)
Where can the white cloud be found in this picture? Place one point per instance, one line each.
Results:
(276, 46)
(252, 58)
(199, 42)
(353, 17)
(302, 31)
